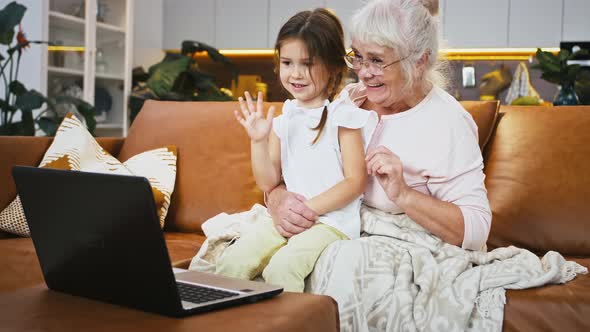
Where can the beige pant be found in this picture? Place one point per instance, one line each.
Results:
(283, 262)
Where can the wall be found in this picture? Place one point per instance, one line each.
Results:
(148, 32)
(32, 25)
(465, 23)
(255, 23)
(31, 63)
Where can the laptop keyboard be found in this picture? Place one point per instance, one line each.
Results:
(200, 294)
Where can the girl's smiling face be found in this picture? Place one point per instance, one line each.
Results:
(303, 78)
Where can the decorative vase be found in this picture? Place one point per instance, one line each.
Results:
(566, 95)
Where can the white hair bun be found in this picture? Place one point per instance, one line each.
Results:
(432, 6)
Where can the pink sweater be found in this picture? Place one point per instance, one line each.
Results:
(438, 146)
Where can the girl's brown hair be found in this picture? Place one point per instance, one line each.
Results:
(323, 36)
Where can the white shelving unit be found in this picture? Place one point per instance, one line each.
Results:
(93, 50)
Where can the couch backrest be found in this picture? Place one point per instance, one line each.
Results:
(536, 167)
(214, 173)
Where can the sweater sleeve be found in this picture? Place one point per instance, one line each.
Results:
(459, 179)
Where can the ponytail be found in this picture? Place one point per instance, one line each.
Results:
(321, 125)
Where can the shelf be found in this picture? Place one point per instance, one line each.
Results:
(93, 54)
(66, 71)
(65, 21)
(106, 125)
(109, 76)
(106, 34)
(109, 27)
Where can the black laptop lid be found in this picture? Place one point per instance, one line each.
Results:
(98, 236)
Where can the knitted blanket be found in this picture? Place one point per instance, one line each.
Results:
(399, 277)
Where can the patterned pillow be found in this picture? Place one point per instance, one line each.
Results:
(73, 148)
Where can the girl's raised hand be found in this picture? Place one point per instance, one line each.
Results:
(252, 118)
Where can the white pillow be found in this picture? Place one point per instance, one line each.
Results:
(74, 148)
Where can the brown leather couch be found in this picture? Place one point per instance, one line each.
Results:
(536, 162)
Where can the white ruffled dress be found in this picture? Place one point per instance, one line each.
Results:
(311, 169)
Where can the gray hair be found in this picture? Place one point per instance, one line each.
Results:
(411, 29)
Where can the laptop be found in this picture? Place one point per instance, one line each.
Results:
(98, 236)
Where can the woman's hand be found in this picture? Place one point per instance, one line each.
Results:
(257, 127)
(289, 213)
(387, 168)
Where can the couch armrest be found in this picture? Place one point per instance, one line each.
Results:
(18, 150)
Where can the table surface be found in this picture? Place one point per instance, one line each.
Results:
(40, 309)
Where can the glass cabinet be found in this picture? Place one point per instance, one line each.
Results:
(90, 57)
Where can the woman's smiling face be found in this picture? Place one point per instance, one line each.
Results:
(386, 88)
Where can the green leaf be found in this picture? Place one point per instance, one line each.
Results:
(564, 55)
(163, 74)
(3, 104)
(546, 57)
(26, 127)
(49, 125)
(190, 46)
(10, 16)
(552, 77)
(30, 100)
(6, 129)
(27, 124)
(548, 65)
(17, 88)
(573, 70)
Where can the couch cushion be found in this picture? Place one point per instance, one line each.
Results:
(20, 266)
(550, 308)
(484, 114)
(182, 247)
(536, 169)
(37, 309)
(214, 173)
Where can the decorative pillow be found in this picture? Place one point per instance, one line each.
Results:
(73, 148)
(485, 115)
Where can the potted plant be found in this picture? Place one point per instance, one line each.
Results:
(178, 77)
(17, 102)
(555, 69)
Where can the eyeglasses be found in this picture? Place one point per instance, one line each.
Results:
(356, 63)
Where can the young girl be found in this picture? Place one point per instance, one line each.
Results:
(316, 147)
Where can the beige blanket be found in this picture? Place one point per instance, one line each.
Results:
(399, 277)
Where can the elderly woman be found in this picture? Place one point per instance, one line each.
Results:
(426, 179)
(423, 160)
